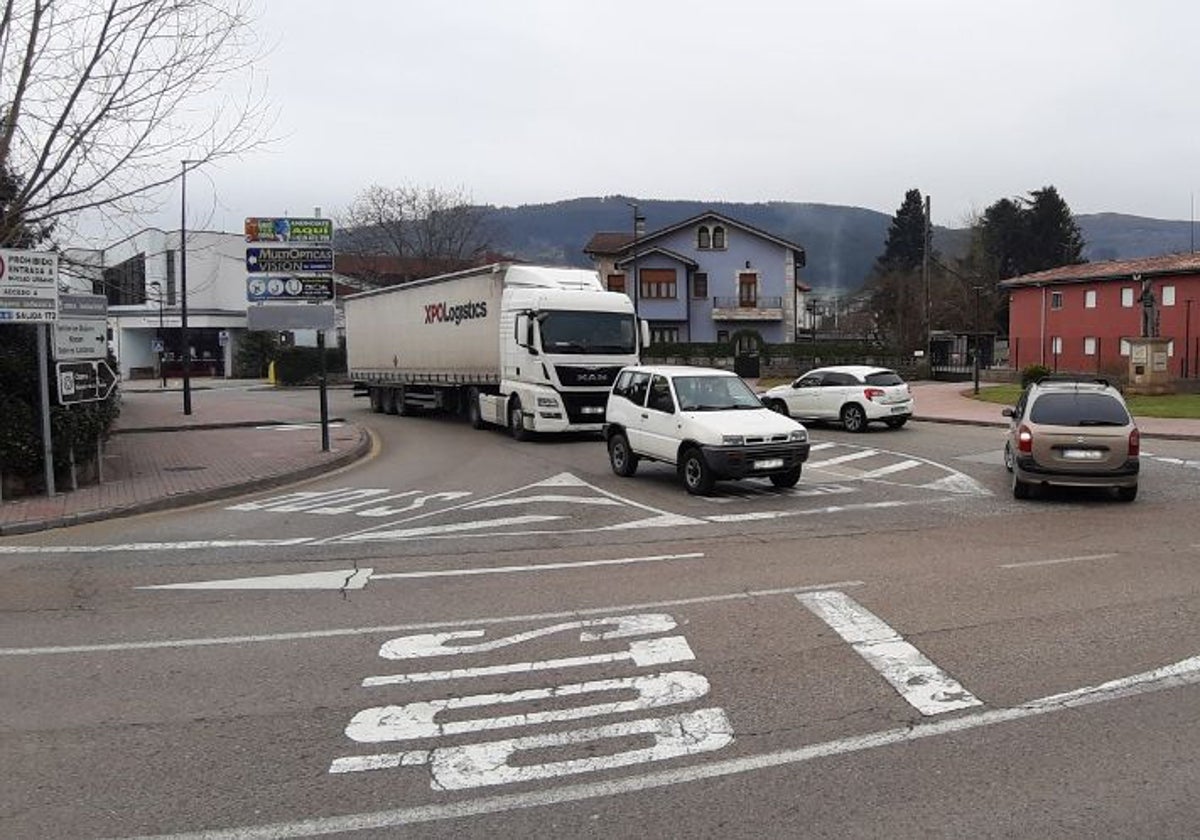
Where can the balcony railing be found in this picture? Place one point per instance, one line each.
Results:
(751, 303)
(747, 309)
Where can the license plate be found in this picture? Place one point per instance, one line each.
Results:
(1082, 454)
(899, 409)
(768, 464)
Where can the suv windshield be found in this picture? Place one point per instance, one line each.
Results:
(1079, 409)
(714, 393)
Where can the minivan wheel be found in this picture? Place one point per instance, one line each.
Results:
(1020, 489)
(854, 418)
(697, 477)
(1008, 457)
(624, 463)
(1127, 494)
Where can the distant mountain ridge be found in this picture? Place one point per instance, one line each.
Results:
(841, 242)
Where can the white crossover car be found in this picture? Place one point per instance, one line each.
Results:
(854, 395)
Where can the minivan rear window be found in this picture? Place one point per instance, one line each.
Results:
(1078, 410)
(884, 377)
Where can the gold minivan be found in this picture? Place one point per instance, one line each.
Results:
(1072, 432)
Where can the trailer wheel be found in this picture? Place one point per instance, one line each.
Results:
(402, 407)
(388, 400)
(376, 397)
(474, 415)
(516, 421)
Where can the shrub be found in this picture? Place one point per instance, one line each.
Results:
(302, 365)
(1032, 373)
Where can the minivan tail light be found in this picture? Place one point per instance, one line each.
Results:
(1135, 443)
(873, 393)
(1025, 440)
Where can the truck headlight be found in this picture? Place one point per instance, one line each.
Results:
(547, 402)
(733, 440)
(798, 436)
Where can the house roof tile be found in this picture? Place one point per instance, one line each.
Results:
(1109, 270)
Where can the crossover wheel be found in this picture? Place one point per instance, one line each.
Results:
(697, 477)
(778, 406)
(624, 462)
(854, 418)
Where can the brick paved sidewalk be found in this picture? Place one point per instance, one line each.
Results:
(239, 438)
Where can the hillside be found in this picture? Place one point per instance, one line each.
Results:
(841, 242)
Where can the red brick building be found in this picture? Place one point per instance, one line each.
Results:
(1079, 318)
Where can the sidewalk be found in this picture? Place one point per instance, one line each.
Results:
(240, 437)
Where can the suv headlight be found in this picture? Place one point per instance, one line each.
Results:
(733, 440)
(799, 436)
(547, 402)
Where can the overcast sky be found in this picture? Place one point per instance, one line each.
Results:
(843, 102)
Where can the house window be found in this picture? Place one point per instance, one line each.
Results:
(747, 345)
(616, 282)
(1127, 297)
(664, 335)
(703, 239)
(718, 238)
(722, 336)
(124, 284)
(170, 278)
(1089, 346)
(748, 290)
(657, 283)
(1125, 351)
(1171, 349)
(1056, 300)
(1056, 345)
(1089, 299)
(1168, 295)
(700, 285)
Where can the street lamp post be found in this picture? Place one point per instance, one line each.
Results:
(162, 368)
(183, 311)
(978, 289)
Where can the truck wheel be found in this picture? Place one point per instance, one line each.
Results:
(624, 462)
(787, 479)
(697, 477)
(516, 421)
(402, 407)
(388, 400)
(376, 397)
(474, 415)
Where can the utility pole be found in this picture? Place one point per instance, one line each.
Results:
(925, 280)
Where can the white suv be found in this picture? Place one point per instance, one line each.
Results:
(706, 422)
(854, 394)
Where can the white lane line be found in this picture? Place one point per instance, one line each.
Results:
(448, 529)
(1081, 559)
(817, 447)
(534, 567)
(546, 497)
(192, 545)
(781, 514)
(424, 625)
(923, 685)
(1184, 673)
(900, 466)
(643, 653)
(312, 581)
(842, 459)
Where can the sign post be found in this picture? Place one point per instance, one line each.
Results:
(281, 276)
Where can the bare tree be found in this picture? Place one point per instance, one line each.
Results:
(102, 99)
(425, 223)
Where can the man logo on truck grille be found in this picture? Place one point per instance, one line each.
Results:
(439, 313)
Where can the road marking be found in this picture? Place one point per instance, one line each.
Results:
(544, 498)
(925, 687)
(642, 653)
(272, 638)
(336, 580)
(899, 466)
(1080, 559)
(479, 765)
(781, 514)
(842, 459)
(536, 567)
(296, 427)
(417, 720)
(1183, 673)
(192, 545)
(453, 529)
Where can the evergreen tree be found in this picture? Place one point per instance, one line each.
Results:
(1052, 237)
(904, 249)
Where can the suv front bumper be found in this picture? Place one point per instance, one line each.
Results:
(743, 461)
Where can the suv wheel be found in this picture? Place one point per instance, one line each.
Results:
(697, 477)
(854, 418)
(624, 462)
(1127, 494)
(787, 479)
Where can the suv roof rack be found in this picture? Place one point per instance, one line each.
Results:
(1080, 378)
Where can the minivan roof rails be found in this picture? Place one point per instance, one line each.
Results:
(1074, 377)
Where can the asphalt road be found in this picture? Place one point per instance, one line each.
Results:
(469, 637)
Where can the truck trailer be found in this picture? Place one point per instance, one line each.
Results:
(530, 348)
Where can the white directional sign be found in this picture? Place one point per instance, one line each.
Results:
(28, 287)
(81, 331)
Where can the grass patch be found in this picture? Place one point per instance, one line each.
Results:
(1180, 406)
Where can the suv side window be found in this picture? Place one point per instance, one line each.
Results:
(660, 396)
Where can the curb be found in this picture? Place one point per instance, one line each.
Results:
(355, 453)
(232, 424)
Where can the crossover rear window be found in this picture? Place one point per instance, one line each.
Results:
(1078, 410)
(884, 377)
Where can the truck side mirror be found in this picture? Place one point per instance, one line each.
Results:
(523, 332)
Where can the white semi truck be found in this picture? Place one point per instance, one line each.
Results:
(532, 348)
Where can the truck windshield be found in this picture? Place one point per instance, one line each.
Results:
(588, 332)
